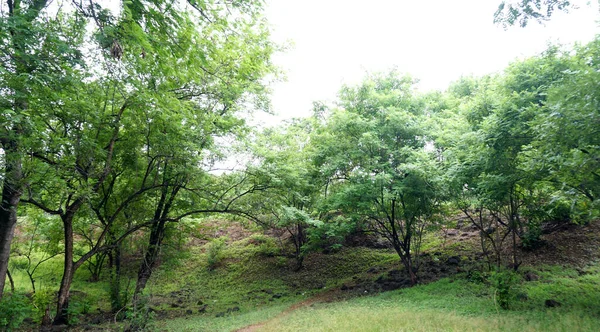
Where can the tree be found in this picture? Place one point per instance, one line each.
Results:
(29, 37)
(284, 158)
(493, 184)
(372, 152)
(566, 133)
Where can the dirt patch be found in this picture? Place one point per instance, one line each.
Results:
(571, 245)
(213, 229)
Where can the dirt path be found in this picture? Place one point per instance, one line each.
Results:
(329, 296)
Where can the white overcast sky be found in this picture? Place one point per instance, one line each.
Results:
(436, 41)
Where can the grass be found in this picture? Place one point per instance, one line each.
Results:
(451, 304)
(217, 324)
(448, 305)
(247, 278)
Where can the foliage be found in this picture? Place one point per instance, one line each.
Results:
(14, 308)
(214, 252)
(378, 174)
(76, 310)
(42, 300)
(521, 12)
(109, 122)
(504, 283)
(140, 317)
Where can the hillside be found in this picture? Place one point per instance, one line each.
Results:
(356, 288)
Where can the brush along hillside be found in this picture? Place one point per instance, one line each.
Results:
(137, 195)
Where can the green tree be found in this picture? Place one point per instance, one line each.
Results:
(38, 50)
(93, 125)
(371, 150)
(566, 133)
(493, 184)
(284, 157)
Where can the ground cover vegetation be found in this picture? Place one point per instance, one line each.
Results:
(484, 197)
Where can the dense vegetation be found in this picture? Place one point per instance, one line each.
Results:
(113, 122)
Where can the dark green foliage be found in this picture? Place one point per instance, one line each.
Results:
(531, 239)
(140, 317)
(14, 308)
(42, 302)
(76, 309)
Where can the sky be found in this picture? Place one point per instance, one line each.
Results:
(335, 42)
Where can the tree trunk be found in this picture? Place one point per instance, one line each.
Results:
(145, 272)
(116, 300)
(68, 272)
(11, 195)
(411, 271)
(299, 243)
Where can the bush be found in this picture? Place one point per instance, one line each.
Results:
(140, 316)
(215, 252)
(475, 276)
(505, 284)
(532, 238)
(42, 300)
(14, 308)
(77, 309)
(266, 245)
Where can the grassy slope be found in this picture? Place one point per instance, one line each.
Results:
(255, 286)
(451, 304)
(459, 305)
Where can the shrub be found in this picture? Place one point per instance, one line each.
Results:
(215, 252)
(140, 316)
(532, 238)
(42, 300)
(505, 283)
(266, 245)
(14, 308)
(76, 309)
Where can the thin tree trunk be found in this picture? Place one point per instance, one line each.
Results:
(12, 282)
(300, 240)
(411, 272)
(68, 272)
(116, 299)
(147, 266)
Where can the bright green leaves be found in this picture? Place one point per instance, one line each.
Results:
(567, 131)
(372, 152)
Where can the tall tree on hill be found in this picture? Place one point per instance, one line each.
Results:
(493, 181)
(372, 152)
(285, 164)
